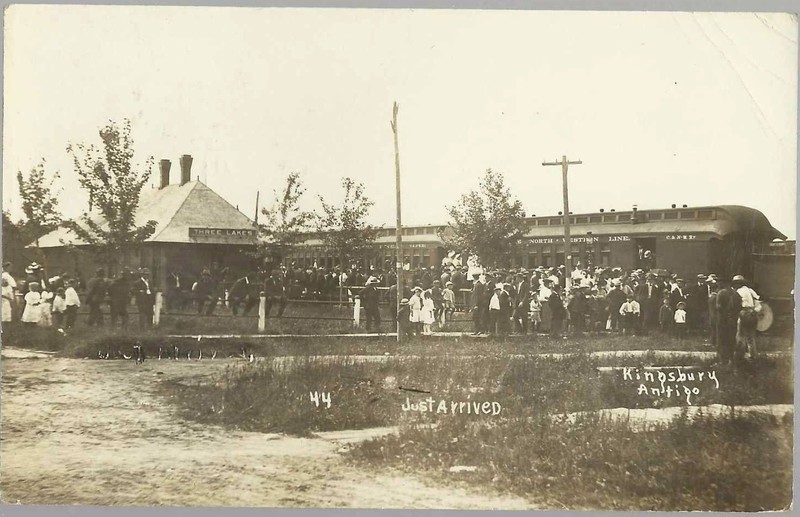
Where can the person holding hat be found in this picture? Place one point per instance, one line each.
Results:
(96, 290)
(748, 315)
(369, 300)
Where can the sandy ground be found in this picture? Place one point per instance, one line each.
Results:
(96, 433)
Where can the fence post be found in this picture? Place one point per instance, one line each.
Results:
(157, 311)
(357, 312)
(262, 312)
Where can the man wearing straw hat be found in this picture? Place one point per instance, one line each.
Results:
(369, 299)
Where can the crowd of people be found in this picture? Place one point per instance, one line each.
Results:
(598, 299)
(36, 300)
(521, 301)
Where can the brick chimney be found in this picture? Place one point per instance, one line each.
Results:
(186, 169)
(164, 166)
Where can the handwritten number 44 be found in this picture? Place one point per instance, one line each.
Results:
(324, 397)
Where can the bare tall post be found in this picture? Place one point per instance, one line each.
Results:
(567, 243)
(398, 231)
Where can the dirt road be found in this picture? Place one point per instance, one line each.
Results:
(97, 433)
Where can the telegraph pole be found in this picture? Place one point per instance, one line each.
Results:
(398, 231)
(567, 243)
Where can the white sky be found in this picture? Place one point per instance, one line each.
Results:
(686, 108)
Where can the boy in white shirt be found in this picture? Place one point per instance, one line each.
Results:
(680, 320)
(630, 311)
(72, 303)
(59, 308)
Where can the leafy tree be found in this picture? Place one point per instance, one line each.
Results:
(342, 227)
(39, 204)
(488, 222)
(114, 185)
(285, 222)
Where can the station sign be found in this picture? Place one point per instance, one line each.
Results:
(223, 235)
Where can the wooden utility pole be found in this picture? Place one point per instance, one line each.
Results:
(398, 231)
(567, 243)
(258, 193)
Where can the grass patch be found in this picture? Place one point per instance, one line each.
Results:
(85, 341)
(274, 395)
(722, 464)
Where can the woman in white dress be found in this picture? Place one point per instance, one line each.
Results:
(45, 308)
(428, 312)
(8, 300)
(33, 299)
(415, 310)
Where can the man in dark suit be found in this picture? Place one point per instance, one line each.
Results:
(275, 292)
(697, 303)
(729, 304)
(119, 293)
(145, 298)
(95, 295)
(244, 292)
(480, 305)
(521, 303)
(649, 295)
(678, 294)
(369, 300)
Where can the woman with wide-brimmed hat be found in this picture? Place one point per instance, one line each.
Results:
(415, 308)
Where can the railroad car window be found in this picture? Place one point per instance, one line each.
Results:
(572, 220)
(624, 217)
(609, 218)
(542, 222)
(532, 262)
(579, 220)
(555, 221)
(595, 219)
(671, 215)
(654, 216)
(687, 215)
(705, 214)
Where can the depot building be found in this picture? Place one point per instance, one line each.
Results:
(195, 228)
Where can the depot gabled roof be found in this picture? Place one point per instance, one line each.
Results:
(175, 209)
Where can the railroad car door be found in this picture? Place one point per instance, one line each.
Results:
(644, 253)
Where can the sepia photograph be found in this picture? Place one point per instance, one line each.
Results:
(477, 259)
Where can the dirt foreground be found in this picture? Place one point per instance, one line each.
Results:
(96, 433)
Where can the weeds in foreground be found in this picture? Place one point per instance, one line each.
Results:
(722, 464)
